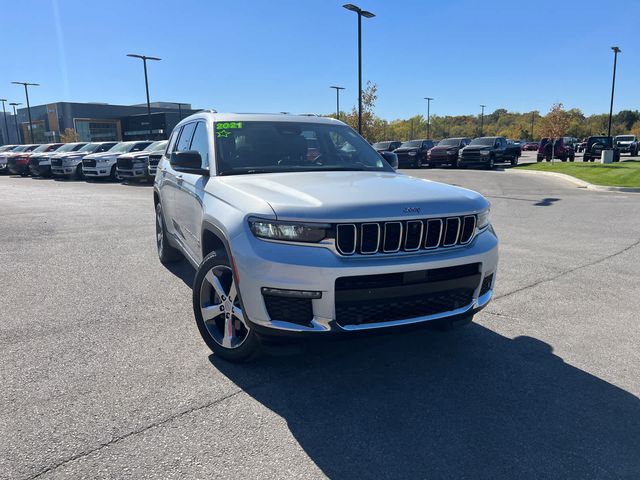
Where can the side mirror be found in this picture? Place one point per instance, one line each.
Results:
(391, 158)
(188, 162)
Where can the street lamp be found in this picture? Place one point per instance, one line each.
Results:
(144, 59)
(179, 108)
(482, 120)
(616, 50)
(361, 13)
(15, 119)
(26, 93)
(428, 99)
(4, 113)
(337, 100)
(533, 117)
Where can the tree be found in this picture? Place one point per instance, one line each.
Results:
(369, 97)
(69, 136)
(556, 123)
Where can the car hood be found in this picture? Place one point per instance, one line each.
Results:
(405, 150)
(135, 154)
(444, 148)
(475, 148)
(350, 196)
(94, 156)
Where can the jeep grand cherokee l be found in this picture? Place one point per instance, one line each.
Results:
(285, 246)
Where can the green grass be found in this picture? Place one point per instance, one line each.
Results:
(619, 174)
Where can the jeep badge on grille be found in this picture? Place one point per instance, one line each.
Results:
(408, 210)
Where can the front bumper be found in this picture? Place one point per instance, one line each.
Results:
(133, 173)
(442, 159)
(39, 169)
(97, 171)
(19, 168)
(63, 170)
(474, 160)
(261, 264)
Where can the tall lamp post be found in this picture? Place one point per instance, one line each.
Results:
(337, 100)
(4, 113)
(428, 99)
(616, 51)
(180, 109)
(482, 120)
(533, 117)
(26, 93)
(144, 59)
(361, 13)
(15, 119)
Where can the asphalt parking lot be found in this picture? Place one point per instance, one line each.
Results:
(104, 374)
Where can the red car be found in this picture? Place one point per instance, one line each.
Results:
(530, 146)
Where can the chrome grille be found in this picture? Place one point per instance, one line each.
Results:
(404, 235)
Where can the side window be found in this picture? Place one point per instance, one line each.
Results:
(200, 143)
(172, 141)
(184, 142)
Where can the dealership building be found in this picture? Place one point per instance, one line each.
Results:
(97, 122)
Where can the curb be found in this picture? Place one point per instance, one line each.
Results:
(578, 182)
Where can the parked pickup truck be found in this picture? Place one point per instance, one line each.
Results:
(135, 165)
(447, 151)
(489, 151)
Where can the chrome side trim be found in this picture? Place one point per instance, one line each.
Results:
(369, 252)
(384, 243)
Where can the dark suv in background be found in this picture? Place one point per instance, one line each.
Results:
(386, 146)
(562, 149)
(596, 144)
(627, 144)
(446, 152)
(413, 153)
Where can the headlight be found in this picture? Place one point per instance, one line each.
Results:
(412, 154)
(484, 152)
(289, 231)
(484, 219)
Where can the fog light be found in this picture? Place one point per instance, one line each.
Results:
(280, 292)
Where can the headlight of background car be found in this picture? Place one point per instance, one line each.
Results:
(412, 154)
(484, 152)
(289, 231)
(484, 219)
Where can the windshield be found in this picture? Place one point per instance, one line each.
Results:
(122, 147)
(381, 145)
(625, 138)
(606, 141)
(482, 141)
(266, 147)
(449, 142)
(157, 146)
(411, 144)
(41, 148)
(68, 147)
(89, 147)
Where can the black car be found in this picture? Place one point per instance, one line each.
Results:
(446, 152)
(596, 144)
(413, 153)
(386, 146)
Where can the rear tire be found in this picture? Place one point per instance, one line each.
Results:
(225, 330)
(166, 253)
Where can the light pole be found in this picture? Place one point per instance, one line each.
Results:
(337, 100)
(144, 59)
(533, 117)
(616, 51)
(26, 93)
(428, 99)
(361, 13)
(179, 108)
(4, 113)
(482, 120)
(15, 119)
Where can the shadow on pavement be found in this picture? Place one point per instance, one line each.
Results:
(183, 270)
(468, 404)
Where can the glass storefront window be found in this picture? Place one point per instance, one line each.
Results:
(97, 130)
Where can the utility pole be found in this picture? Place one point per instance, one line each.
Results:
(482, 120)
(144, 59)
(15, 119)
(428, 99)
(26, 93)
(616, 50)
(337, 100)
(4, 113)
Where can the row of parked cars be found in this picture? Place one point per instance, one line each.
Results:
(132, 160)
(459, 152)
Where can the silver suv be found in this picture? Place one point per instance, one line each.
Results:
(293, 240)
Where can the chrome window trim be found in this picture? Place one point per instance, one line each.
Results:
(377, 225)
(455, 240)
(419, 237)
(355, 238)
(384, 242)
(473, 230)
(426, 235)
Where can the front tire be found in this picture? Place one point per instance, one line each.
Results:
(166, 253)
(218, 311)
(491, 164)
(114, 174)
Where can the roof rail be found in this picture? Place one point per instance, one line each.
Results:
(210, 110)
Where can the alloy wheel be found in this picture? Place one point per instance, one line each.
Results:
(220, 307)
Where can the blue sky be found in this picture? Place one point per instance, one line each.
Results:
(282, 55)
